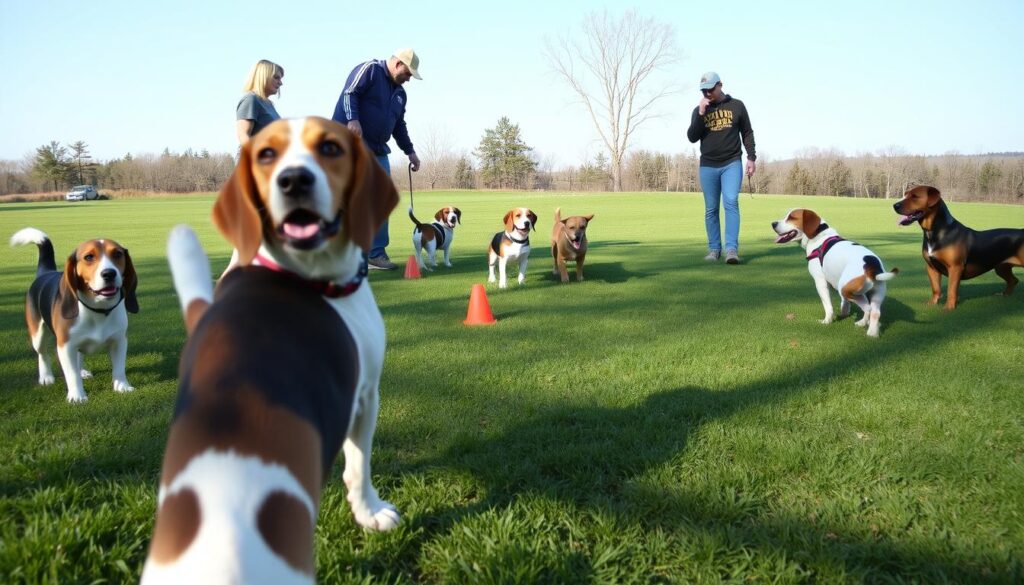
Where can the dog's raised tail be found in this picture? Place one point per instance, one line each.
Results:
(31, 235)
(413, 218)
(558, 214)
(190, 270)
(874, 271)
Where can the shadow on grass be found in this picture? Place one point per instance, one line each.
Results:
(596, 457)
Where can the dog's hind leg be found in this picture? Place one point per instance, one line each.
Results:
(369, 510)
(86, 374)
(41, 341)
(1005, 271)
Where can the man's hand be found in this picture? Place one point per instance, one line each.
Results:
(751, 167)
(356, 128)
(703, 105)
(415, 160)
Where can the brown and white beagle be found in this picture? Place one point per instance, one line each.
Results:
(85, 307)
(511, 245)
(851, 269)
(435, 236)
(282, 366)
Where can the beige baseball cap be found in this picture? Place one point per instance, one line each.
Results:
(411, 60)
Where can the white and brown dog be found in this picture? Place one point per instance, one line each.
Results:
(282, 366)
(85, 307)
(853, 270)
(511, 245)
(435, 236)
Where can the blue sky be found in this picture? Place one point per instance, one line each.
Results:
(928, 77)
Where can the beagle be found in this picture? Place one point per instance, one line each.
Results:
(435, 236)
(956, 251)
(852, 269)
(282, 365)
(85, 308)
(569, 244)
(511, 245)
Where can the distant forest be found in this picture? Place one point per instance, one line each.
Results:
(996, 177)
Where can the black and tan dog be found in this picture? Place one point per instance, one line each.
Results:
(954, 250)
(569, 244)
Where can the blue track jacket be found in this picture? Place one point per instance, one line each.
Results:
(371, 97)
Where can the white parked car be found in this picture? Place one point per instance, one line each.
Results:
(82, 193)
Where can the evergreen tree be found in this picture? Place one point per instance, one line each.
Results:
(505, 161)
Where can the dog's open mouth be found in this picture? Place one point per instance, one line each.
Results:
(107, 291)
(576, 243)
(306, 230)
(782, 239)
(909, 219)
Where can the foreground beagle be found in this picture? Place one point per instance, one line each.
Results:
(954, 250)
(435, 236)
(511, 245)
(853, 270)
(85, 308)
(282, 365)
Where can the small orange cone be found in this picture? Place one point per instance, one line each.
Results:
(412, 268)
(479, 312)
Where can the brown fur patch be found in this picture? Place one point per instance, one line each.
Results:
(853, 288)
(194, 312)
(177, 523)
(287, 529)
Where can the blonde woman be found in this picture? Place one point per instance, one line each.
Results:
(254, 110)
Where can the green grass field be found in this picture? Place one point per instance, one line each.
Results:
(665, 421)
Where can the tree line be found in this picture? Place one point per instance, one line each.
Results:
(504, 161)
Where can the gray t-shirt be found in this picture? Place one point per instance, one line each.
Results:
(260, 111)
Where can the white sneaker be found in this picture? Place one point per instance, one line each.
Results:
(713, 255)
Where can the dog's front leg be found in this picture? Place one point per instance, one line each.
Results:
(579, 267)
(369, 510)
(432, 255)
(935, 279)
(502, 265)
(826, 301)
(118, 357)
(953, 286)
(522, 267)
(67, 355)
(447, 260)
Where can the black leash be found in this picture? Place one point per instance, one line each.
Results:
(410, 185)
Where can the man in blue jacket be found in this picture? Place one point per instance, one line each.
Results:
(372, 105)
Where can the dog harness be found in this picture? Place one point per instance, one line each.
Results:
(823, 249)
(496, 241)
(327, 288)
(439, 230)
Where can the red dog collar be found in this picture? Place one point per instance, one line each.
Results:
(327, 288)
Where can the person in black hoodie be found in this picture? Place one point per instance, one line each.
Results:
(720, 122)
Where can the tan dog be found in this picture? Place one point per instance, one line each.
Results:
(282, 367)
(569, 244)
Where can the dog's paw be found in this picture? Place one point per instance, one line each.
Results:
(46, 380)
(123, 386)
(75, 397)
(872, 332)
(862, 322)
(381, 517)
(827, 320)
(491, 279)
(86, 374)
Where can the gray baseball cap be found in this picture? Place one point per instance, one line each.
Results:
(709, 80)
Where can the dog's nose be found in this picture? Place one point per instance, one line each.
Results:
(108, 274)
(896, 206)
(296, 181)
(774, 223)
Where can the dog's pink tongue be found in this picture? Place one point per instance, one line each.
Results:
(576, 245)
(301, 231)
(903, 220)
(108, 291)
(781, 238)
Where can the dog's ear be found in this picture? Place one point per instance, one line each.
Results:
(588, 217)
(129, 282)
(440, 214)
(933, 196)
(236, 211)
(508, 220)
(70, 284)
(811, 222)
(369, 197)
(533, 220)
(458, 215)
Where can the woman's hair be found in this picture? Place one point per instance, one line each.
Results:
(261, 73)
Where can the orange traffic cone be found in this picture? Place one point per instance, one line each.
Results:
(412, 268)
(479, 312)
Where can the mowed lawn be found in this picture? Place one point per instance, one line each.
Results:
(665, 421)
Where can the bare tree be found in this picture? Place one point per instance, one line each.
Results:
(439, 158)
(618, 58)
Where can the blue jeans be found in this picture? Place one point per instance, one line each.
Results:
(381, 239)
(725, 182)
